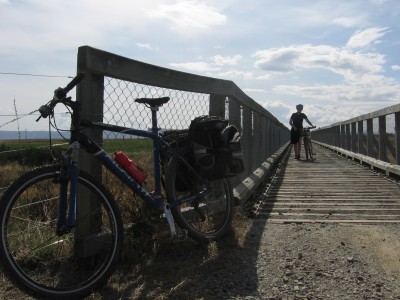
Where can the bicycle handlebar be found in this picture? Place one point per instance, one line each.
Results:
(310, 127)
(60, 93)
(59, 96)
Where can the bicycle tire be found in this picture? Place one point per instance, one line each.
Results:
(310, 150)
(306, 147)
(46, 265)
(207, 218)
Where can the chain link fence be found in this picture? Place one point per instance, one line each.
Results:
(112, 84)
(121, 109)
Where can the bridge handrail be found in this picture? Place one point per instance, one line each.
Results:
(346, 135)
(262, 133)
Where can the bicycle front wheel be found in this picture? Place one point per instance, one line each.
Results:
(205, 217)
(308, 148)
(49, 265)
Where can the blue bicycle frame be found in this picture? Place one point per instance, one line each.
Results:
(69, 170)
(93, 148)
(68, 220)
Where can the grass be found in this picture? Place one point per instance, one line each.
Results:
(109, 145)
(14, 164)
(151, 264)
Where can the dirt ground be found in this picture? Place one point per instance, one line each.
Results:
(258, 260)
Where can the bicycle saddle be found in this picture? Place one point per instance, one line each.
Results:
(153, 102)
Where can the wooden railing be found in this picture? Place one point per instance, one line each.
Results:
(367, 137)
(262, 134)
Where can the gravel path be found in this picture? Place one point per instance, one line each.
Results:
(308, 261)
(260, 260)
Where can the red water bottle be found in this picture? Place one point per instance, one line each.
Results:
(130, 166)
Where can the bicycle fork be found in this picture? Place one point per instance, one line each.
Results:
(69, 174)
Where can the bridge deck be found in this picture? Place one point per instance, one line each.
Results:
(329, 189)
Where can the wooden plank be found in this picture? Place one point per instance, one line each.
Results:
(320, 192)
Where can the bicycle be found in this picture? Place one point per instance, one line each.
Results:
(61, 230)
(307, 142)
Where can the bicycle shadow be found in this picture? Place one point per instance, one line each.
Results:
(188, 270)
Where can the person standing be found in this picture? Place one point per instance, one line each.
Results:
(296, 122)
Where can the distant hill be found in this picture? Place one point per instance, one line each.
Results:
(29, 135)
(43, 135)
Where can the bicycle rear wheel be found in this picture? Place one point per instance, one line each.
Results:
(205, 218)
(45, 264)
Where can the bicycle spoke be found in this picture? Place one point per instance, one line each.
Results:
(70, 265)
(209, 214)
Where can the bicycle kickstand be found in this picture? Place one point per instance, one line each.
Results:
(177, 235)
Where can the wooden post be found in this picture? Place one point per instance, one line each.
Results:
(90, 95)
(264, 137)
(247, 140)
(217, 105)
(361, 146)
(234, 113)
(354, 137)
(370, 138)
(235, 119)
(382, 139)
(343, 136)
(348, 137)
(337, 136)
(270, 132)
(397, 136)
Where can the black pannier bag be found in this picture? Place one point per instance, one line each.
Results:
(179, 142)
(216, 147)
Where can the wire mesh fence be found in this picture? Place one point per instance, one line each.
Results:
(120, 108)
(112, 84)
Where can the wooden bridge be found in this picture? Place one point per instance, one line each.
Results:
(330, 188)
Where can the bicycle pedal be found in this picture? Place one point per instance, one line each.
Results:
(180, 235)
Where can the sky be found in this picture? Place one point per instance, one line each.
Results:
(339, 58)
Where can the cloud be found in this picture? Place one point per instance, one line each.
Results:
(341, 61)
(144, 45)
(195, 66)
(366, 37)
(277, 103)
(188, 15)
(248, 90)
(323, 14)
(220, 60)
(349, 21)
(376, 89)
(4, 2)
(278, 59)
(73, 23)
(396, 67)
(236, 74)
(215, 64)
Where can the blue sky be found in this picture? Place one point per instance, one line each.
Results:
(338, 58)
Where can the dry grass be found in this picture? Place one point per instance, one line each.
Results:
(10, 172)
(152, 266)
(155, 267)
